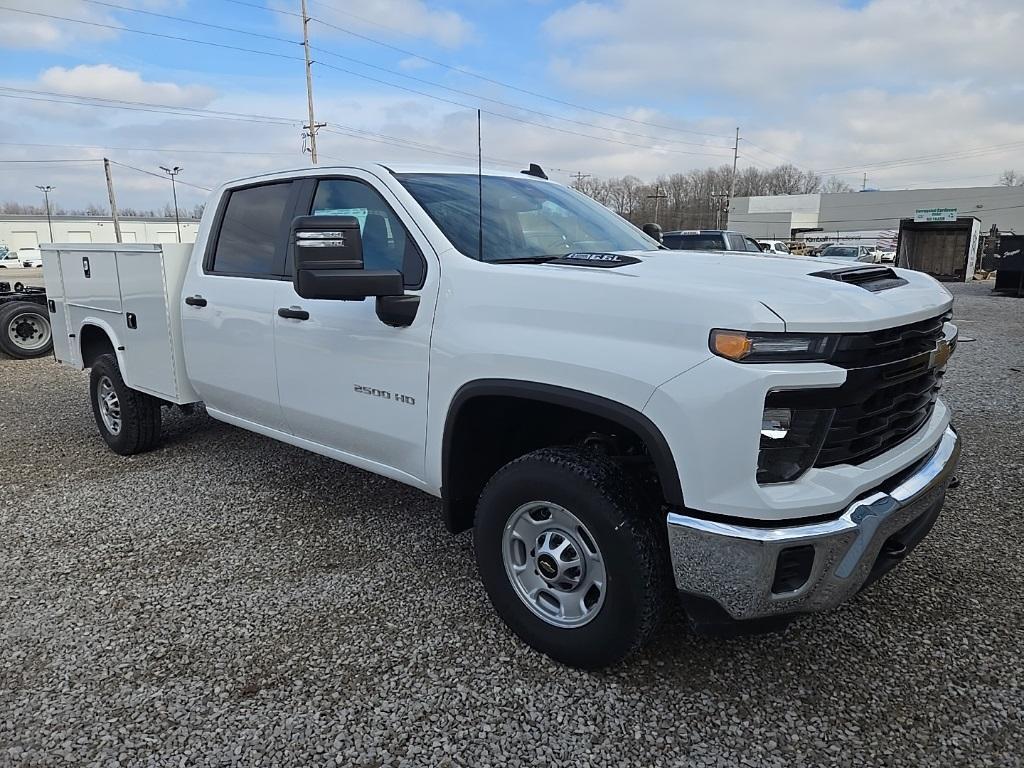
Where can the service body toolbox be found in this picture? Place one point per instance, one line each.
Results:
(132, 290)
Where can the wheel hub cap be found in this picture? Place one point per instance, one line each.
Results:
(29, 331)
(554, 564)
(109, 405)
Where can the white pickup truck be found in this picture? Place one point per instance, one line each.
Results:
(616, 422)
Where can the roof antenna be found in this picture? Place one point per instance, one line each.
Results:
(480, 186)
(535, 170)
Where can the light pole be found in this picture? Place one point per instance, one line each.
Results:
(46, 190)
(172, 172)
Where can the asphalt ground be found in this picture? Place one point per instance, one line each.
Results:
(228, 600)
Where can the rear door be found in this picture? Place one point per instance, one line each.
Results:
(227, 315)
(347, 380)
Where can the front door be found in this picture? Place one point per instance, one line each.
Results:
(227, 314)
(346, 380)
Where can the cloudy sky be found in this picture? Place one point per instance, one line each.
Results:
(912, 92)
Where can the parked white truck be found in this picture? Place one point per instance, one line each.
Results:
(616, 422)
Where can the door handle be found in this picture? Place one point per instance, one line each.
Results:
(195, 301)
(294, 314)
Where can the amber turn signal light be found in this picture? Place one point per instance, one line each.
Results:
(734, 345)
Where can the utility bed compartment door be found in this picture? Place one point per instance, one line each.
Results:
(148, 351)
(90, 279)
(62, 351)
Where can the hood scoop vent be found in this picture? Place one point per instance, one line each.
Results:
(872, 279)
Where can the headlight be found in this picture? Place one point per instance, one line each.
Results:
(756, 347)
(790, 441)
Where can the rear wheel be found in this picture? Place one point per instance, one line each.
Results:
(25, 330)
(570, 559)
(128, 420)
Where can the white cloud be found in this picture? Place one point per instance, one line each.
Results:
(770, 51)
(824, 84)
(47, 32)
(413, 63)
(390, 18)
(105, 81)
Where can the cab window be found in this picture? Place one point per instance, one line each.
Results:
(249, 238)
(386, 243)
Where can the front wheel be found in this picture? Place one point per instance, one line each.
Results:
(570, 559)
(128, 420)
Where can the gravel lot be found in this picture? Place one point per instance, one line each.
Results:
(228, 600)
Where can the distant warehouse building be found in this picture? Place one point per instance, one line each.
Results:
(843, 215)
(26, 233)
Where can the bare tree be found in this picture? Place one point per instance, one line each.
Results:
(835, 184)
(696, 199)
(1010, 178)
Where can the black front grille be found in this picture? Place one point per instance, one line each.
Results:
(886, 416)
(892, 383)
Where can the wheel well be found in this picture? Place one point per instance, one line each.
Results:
(94, 342)
(490, 425)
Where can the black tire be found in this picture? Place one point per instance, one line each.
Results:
(19, 287)
(633, 547)
(25, 330)
(139, 413)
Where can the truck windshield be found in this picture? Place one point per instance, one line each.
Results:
(522, 218)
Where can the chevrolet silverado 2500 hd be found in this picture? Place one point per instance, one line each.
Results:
(615, 421)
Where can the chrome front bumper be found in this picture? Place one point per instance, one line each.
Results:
(735, 565)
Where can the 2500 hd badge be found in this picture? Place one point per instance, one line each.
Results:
(383, 393)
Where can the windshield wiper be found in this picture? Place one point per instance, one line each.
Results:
(526, 259)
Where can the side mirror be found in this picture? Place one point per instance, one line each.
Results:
(328, 261)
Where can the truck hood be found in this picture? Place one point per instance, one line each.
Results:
(802, 291)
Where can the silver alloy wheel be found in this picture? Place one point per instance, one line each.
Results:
(110, 406)
(29, 330)
(554, 564)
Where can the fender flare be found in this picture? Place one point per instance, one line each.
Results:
(611, 410)
(104, 326)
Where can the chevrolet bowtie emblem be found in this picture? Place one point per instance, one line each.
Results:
(941, 354)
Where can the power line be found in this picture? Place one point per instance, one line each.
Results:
(377, 80)
(83, 160)
(193, 112)
(193, 21)
(507, 104)
(153, 34)
(478, 76)
(928, 159)
(137, 149)
(503, 116)
(160, 175)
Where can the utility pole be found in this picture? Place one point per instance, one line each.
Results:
(717, 201)
(579, 176)
(313, 124)
(657, 197)
(735, 159)
(172, 172)
(864, 184)
(113, 202)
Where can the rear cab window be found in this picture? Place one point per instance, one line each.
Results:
(736, 242)
(695, 242)
(252, 232)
